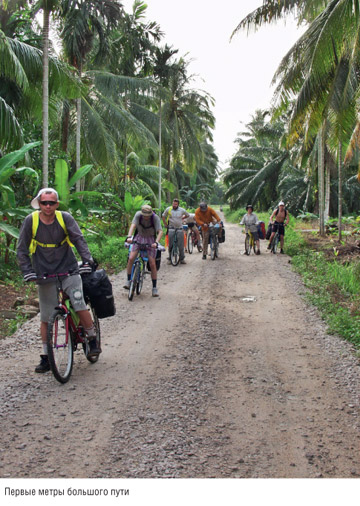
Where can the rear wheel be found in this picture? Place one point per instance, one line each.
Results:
(60, 346)
(247, 244)
(190, 244)
(95, 319)
(134, 281)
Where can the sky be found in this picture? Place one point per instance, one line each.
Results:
(237, 74)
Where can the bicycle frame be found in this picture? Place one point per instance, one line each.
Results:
(250, 243)
(214, 242)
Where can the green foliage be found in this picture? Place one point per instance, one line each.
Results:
(109, 251)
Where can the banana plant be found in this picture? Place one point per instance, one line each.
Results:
(72, 201)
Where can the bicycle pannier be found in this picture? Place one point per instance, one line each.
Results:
(157, 260)
(261, 230)
(222, 235)
(268, 232)
(98, 289)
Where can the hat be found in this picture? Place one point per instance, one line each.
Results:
(35, 201)
(281, 203)
(146, 210)
(203, 206)
(249, 205)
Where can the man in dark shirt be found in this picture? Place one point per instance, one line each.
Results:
(46, 248)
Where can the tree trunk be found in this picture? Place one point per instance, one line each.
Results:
(79, 183)
(327, 193)
(321, 163)
(125, 165)
(45, 98)
(65, 125)
(160, 126)
(340, 191)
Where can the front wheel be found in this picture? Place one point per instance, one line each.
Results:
(275, 244)
(174, 255)
(217, 247)
(190, 244)
(95, 319)
(134, 281)
(140, 282)
(255, 248)
(247, 245)
(212, 248)
(60, 346)
(199, 244)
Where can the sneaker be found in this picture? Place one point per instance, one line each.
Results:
(258, 252)
(127, 284)
(269, 246)
(183, 261)
(155, 292)
(204, 257)
(94, 349)
(282, 251)
(44, 365)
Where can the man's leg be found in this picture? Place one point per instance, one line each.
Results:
(131, 260)
(180, 238)
(152, 263)
(205, 232)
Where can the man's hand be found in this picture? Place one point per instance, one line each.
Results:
(30, 277)
(85, 268)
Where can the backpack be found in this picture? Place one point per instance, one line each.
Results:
(261, 230)
(35, 225)
(268, 231)
(97, 289)
(152, 224)
(277, 212)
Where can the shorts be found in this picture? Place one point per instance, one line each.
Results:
(192, 224)
(278, 226)
(255, 236)
(48, 297)
(151, 252)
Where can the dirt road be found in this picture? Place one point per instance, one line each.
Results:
(228, 374)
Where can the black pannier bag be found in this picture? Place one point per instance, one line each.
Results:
(222, 235)
(268, 231)
(157, 261)
(98, 289)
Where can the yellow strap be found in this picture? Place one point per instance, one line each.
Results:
(35, 224)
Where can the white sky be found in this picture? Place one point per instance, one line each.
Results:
(237, 74)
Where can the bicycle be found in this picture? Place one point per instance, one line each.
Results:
(250, 243)
(65, 333)
(139, 268)
(175, 252)
(193, 241)
(214, 241)
(275, 242)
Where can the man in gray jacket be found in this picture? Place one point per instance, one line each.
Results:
(45, 247)
(173, 220)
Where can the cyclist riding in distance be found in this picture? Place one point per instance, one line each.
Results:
(190, 221)
(45, 247)
(250, 220)
(147, 229)
(281, 219)
(173, 219)
(205, 215)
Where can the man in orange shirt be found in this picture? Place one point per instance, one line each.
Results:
(204, 215)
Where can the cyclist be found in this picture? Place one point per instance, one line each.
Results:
(250, 220)
(281, 219)
(45, 247)
(205, 215)
(173, 219)
(191, 223)
(145, 228)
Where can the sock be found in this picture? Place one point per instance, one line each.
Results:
(45, 348)
(154, 282)
(90, 332)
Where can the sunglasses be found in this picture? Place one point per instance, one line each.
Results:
(47, 202)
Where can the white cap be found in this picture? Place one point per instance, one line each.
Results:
(35, 201)
(281, 203)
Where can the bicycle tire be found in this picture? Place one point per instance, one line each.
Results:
(217, 247)
(140, 282)
(95, 319)
(247, 245)
(255, 248)
(174, 255)
(212, 248)
(275, 244)
(134, 281)
(190, 243)
(60, 346)
(199, 245)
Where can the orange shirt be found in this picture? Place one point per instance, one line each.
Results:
(208, 216)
